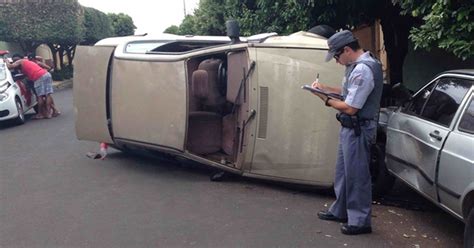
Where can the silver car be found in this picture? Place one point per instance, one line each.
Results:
(430, 144)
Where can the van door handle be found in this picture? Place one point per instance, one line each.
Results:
(435, 134)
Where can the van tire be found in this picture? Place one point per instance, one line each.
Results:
(469, 230)
(382, 180)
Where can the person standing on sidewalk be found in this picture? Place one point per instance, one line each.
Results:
(43, 83)
(362, 91)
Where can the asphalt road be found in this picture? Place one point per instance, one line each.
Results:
(52, 195)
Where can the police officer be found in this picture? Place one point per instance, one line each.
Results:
(361, 90)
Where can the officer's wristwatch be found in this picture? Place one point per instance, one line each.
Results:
(327, 102)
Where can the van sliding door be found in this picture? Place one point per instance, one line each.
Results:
(90, 78)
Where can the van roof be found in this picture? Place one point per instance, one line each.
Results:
(304, 39)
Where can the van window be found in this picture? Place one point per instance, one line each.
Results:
(445, 100)
(467, 120)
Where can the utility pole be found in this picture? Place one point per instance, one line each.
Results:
(184, 5)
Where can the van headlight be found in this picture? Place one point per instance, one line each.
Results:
(4, 86)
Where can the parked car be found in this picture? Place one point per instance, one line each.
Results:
(15, 98)
(430, 144)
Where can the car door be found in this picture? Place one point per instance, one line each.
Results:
(456, 164)
(416, 133)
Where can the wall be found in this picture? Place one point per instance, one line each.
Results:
(371, 39)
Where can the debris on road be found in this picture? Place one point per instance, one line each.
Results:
(101, 154)
(393, 212)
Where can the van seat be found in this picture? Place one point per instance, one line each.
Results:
(209, 85)
(204, 132)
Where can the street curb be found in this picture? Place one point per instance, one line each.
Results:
(58, 85)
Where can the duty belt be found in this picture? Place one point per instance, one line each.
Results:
(352, 121)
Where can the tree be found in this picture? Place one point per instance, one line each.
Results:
(31, 23)
(97, 26)
(288, 16)
(188, 26)
(173, 29)
(122, 24)
(446, 24)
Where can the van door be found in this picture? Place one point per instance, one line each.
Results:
(90, 90)
(296, 135)
(149, 102)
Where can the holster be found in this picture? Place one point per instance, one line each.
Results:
(349, 121)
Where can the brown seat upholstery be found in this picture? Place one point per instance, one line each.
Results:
(214, 99)
(205, 125)
(204, 132)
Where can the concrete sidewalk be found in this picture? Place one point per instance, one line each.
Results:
(58, 85)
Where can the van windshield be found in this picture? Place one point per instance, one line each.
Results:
(142, 47)
(186, 46)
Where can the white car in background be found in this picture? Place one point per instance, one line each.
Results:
(15, 98)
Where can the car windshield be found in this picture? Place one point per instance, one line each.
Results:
(3, 72)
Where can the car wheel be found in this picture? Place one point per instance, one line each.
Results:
(36, 109)
(469, 230)
(382, 180)
(21, 116)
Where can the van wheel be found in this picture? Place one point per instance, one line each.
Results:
(382, 180)
(21, 116)
(469, 230)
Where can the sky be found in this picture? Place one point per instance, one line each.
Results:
(148, 16)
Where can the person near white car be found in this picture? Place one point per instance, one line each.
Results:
(37, 72)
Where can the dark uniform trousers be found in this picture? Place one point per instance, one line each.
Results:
(352, 184)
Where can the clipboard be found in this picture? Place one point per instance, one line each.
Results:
(315, 90)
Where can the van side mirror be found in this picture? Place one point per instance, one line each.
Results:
(233, 30)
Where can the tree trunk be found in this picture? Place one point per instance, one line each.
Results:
(61, 57)
(70, 54)
(396, 29)
(54, 51)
